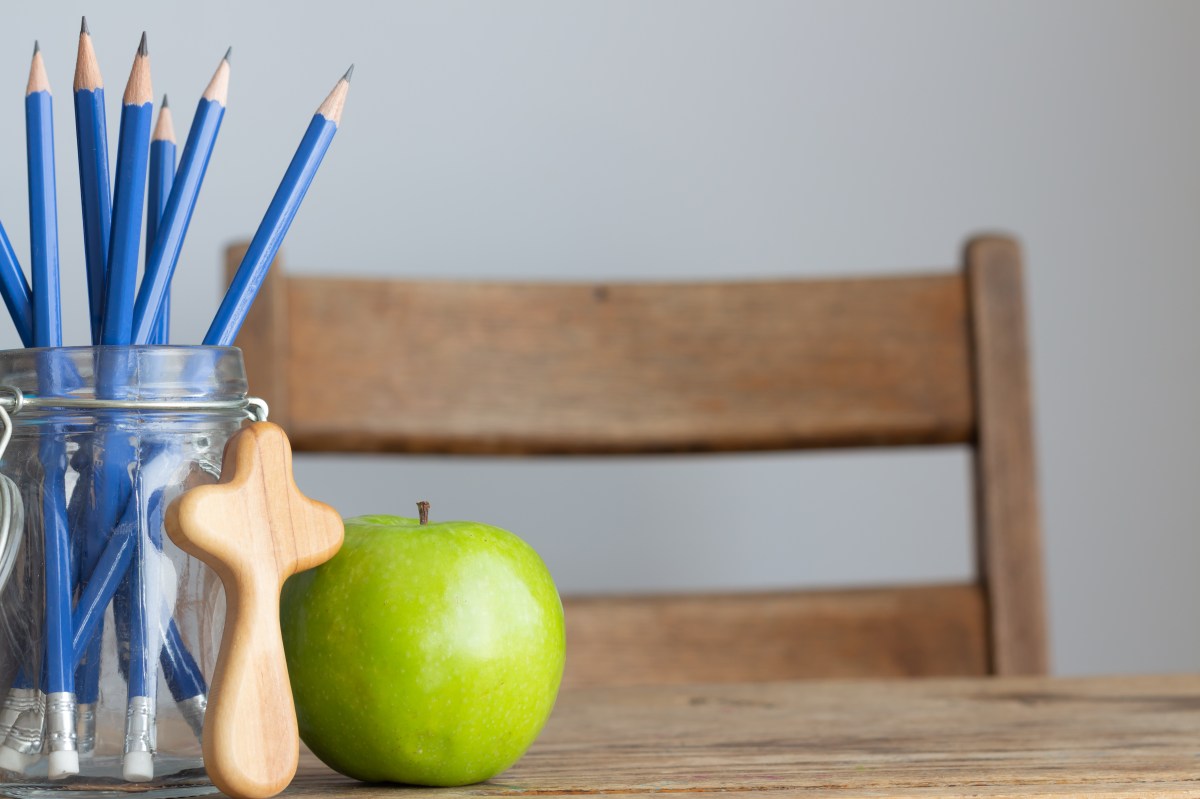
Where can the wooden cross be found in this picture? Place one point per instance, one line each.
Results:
(255, 529)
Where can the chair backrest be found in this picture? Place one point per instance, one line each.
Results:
(562, 368)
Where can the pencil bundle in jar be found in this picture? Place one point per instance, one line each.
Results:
(107, 433)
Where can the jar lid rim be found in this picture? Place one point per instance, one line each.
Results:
(13, 400)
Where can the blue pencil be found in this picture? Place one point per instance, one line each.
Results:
(116, 518)
(145, 646)
(43, 211)
(280, 213)
(162, 175)
(47, 332)
(180, 203)
(91, 138)
(111, 568)
(15, 290)
(180, 669)
(89, 540)
(113, 487)
(145, 642)
(129, 194)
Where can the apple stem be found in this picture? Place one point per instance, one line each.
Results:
(423, 511)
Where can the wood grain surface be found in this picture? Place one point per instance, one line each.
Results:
(975, 737)
(255, 529)
(1008, 531)
(887, 632)
(484, 368)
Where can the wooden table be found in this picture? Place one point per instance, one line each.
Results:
(1095, 737)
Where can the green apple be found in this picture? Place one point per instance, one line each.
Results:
(427, 654)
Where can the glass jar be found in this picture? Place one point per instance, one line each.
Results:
(108, 631)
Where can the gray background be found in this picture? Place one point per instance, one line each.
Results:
(703, 139)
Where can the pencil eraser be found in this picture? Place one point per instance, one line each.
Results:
(63, 764)
(138, 767)
(12, 760)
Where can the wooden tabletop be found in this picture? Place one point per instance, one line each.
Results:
(1094, 737)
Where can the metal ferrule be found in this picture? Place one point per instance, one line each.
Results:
(60, 722)
(85, 727)
(193, 712)
(139, 725)
(18, 701)
(25, 737)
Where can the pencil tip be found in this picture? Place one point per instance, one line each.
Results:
(348, 74)
(37, 48)
(83, 28)
(165, 103)
(228, 53)
(143, 48)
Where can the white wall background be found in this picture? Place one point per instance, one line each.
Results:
(622, 139)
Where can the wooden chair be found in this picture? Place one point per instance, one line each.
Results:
(574, 368)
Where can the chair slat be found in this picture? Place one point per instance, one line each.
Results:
(897, 632)
(416, 366)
